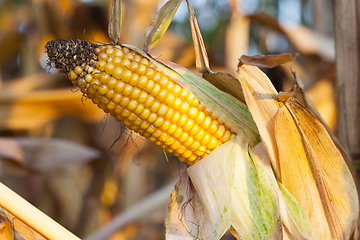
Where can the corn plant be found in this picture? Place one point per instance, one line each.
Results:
(260, 164)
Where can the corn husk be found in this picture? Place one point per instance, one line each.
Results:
(305, 158)
(242, 196)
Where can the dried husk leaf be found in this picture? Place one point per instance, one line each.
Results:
(115, 22)
(241, 193)
(226, 83)
(160, 24)
(304, 99)
(186, 214)
(334, 181)
(308, 162)
(297, 176)
(261, 98)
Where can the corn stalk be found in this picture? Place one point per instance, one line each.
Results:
(347, 39)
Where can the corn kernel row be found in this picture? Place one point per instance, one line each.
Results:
(139, 95)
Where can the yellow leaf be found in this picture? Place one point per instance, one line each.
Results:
(160, 24)
(333, 179)
(261, 99)
(6, 232)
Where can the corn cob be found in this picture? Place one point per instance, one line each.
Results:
(137, 93)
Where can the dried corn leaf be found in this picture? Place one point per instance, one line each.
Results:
(160, 24)
(201, 57)
(261, 98)
(226, 83)
(115, 22)
(43, 154)
(302, 38)
(223, 81)
(6, 231)
(267, 61)
(333, 179)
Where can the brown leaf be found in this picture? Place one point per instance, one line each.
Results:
(42, 154)
(201, 57)
(226, 83)
(115, 21)
(267, 61)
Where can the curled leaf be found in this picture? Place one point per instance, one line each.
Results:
(160, 24)
(201, 57)
(222, 80)
(115, 21)
(267, 61)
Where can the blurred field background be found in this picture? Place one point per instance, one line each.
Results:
(80, 166)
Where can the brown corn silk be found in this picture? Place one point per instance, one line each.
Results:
(141, 96)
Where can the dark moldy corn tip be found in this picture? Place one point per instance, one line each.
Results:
(67, 54)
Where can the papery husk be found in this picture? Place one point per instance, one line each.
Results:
(304, 157)
(334, 180)
(235, 190)
(304, 99)
(261, 99)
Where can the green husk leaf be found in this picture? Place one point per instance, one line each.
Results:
(235, 188)
(115, 21)
(160, 24)
(293, 217)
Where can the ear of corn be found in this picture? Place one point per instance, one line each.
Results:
(137, 93)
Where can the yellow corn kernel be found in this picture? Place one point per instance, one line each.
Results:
(138, 94)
